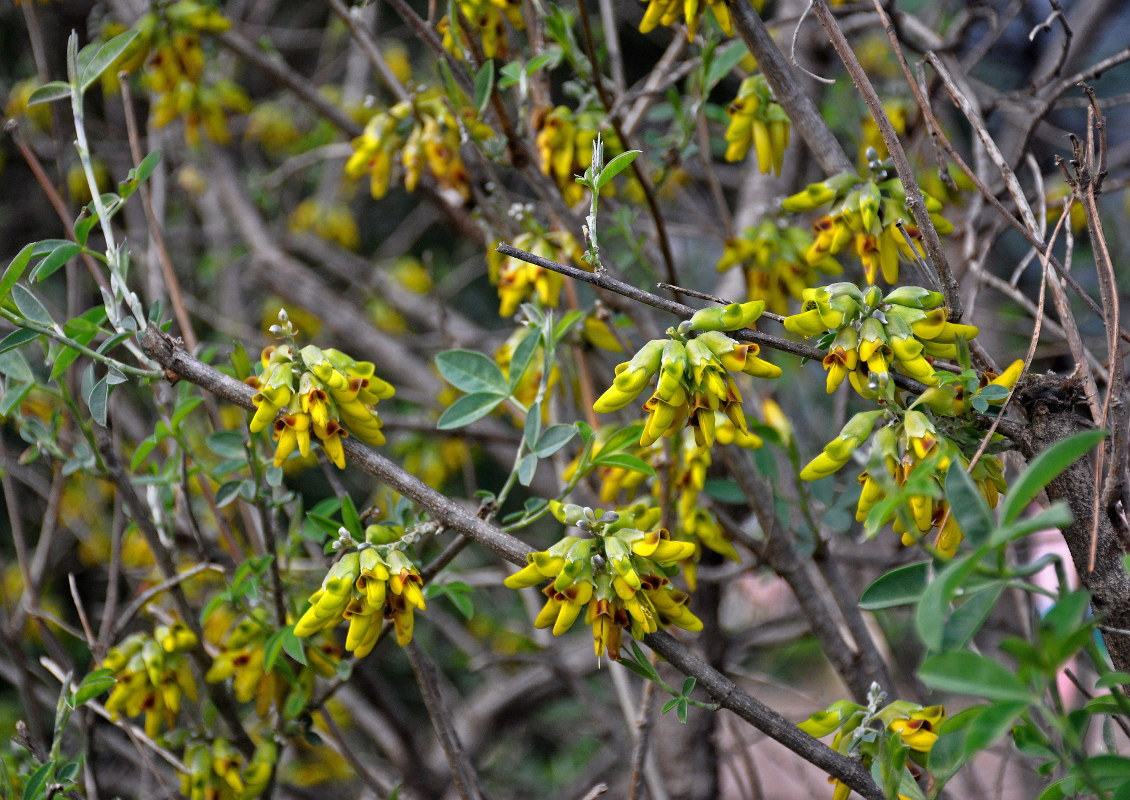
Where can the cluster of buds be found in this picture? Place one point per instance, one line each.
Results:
(518, 280)
(168, 50)
(152, 675)
(323, 391)
(365, 586)
(423, 134)
(757, 120)
(694, 381)
(565, 145)
(619, 576)
(859, 728)
(867, 333)
(866, 211)
(669, 12)
(914, 453)
(485, 18)
(773, 259)
(218, 771)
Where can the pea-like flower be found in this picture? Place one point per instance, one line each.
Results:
(868, 333)
(864, 211)
(378, 582)
(757, 120)
(619, 577)
(518, 280)
(694, 378)
(152, 676)
(218, 771)
(669, 12)
(772, 256)
(319, 392)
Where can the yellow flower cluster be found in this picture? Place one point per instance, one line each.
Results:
(912, 450)
(319, 391)
(168, 49)
(757, 120)
(219, 772)
(564, 143)
(366, 586)
(773, 258)
(333, 222)
(517, 280)
(618, 577)
(423, 134)
(871, 333)
(669, 12)
(865, 211)
(914, 725)
(152, 676)
(486, 20)
(694, 381)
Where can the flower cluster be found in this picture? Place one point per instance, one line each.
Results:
(869, 333)
(365, 586)
(169, 51)
(859, 728)
(152, 676)
(772, 256)
(423, 134)
(619, 576)
(219, 772)
(694, 381)
(517, 280)
(486, 20)
(757, 120)
(912, 453)
(319, 391)
(865, 211)
(669, 12)
(564, 141)
(915, 458)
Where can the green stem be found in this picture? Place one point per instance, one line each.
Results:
(58, 336)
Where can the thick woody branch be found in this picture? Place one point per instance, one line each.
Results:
(182, 365)
(789, 89)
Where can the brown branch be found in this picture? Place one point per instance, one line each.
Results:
(788, 89)
(915, 202)
(180, 363)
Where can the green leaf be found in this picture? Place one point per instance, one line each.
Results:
(933, 608)
(106, 55)
(526, 469)
(1112, 679)
(565, 325)
(15, 366)
(532, 427)
(615, 167)
(1044, 468)
(49, 93)
(626, 461)
(94, 684)
(968, 507)
(84, 224)
(968, 618)
(17, 338)
(59, 256)
(972, 674)
(183, 409)
(899, 587)
(227, 493)
(993, 723)
(472, 372)
(13, 397)
(34, 788)
(553, 439)
(139, 174)
(484, 83)
(724, 61)
(292, 645)
(30, 306)
(272, 649)
(467, 409)
(350, 518)
(227, 444)
(142, 452)
(947, 755)
(98, 401)
(15, 269)
(522, 356)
